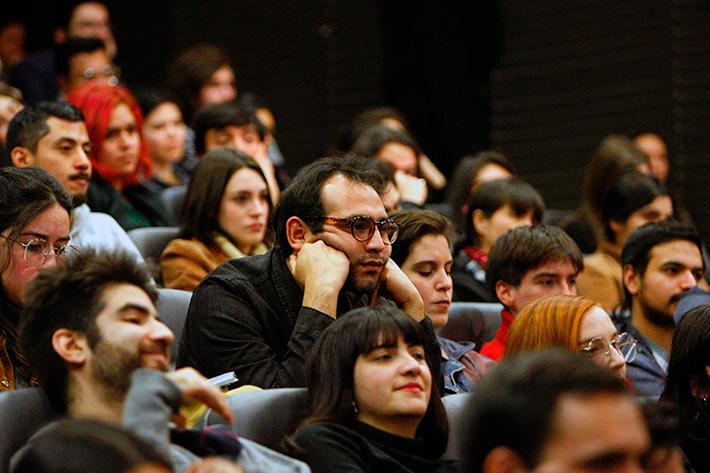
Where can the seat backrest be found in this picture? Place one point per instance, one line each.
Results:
(458, 411)
(24, 411)
(151, 241)
(172, 308)
(172, 198)
(472, 322)
(266, 416)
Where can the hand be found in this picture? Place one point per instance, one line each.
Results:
(411, 189)
(431, 173)
(194, 386)
(214, 465)
(395, 284)
(322, 271)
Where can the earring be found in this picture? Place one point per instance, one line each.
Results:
(355, 408)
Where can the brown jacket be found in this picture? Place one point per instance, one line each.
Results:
(186, 262)
(601, 279)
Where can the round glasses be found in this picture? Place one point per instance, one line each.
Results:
(598, 349)
(363, 227)
(37, 251)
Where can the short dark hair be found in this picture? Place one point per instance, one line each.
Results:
(637, 249)
(520, 397)
(151, 98)
(71, 296)
(628, 194)
(200, 210)
(330, 366)
(25, 193)
(302, 198)
(30, 123)
(372, 140)
(73, 46)
(221, 115)
(85, 446)
(413, 225)
(524, 248)
(491, 196)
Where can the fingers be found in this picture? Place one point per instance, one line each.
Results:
(194, 386)
(214, 465)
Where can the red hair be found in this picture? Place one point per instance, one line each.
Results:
(97, 102)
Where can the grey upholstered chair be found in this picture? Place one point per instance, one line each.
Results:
(172, 309)
(472, 322)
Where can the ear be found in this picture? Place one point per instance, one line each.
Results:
(297, 232)
(22, 157)
(632, 280)
(617, 228)
(506, 294)
(503, 460)
(480, 221)
(71, 346)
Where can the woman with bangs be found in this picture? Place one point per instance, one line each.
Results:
(576, 324)
(494, 208)
(374, 406)
(119, 157)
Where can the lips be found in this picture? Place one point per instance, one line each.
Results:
(411, 387)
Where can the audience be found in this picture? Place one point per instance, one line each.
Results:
(91, 335)
(374, 406)
(52, 136)
(423, 252)
(688, 384)
(634, 200)
(34, 234)
(576, 324)
(82, 60)
(660, 261)
(555, 412)
(525, 264)
(651, 143)
(225, 216)
(164, 132)
(259, 315)
(119, 157)
(493, 208)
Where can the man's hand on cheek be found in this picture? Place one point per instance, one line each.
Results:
(397, 286)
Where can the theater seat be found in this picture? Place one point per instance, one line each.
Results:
(151, 241)
(472, 322)
(266, 416)
(458, 411)
(173, 198)
(172, 309)
(24, 411)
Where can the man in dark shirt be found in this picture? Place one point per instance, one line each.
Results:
(258, 316)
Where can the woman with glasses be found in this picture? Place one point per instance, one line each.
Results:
(34, 234)
(574, 323)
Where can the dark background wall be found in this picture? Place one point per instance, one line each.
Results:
(543, 81)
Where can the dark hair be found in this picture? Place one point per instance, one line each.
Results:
(372, 140)
(73, 46)
(302, 198)
(413, 225)
(200, 210)
(151, 98)
(465, 175)
(520, 398)
(25, 193)
(491, 196)
(628, 194)
(349, 132)
(30, 124)
(690, 354)
(85, 446)
(71, 296)
(637, 249)
(524, 248)
(220, 115)
(330, 366)
(191, 71)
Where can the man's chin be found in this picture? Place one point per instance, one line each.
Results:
(78, 199)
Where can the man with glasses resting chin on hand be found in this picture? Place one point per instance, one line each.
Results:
(258, 316)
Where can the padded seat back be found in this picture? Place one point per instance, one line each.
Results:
(172, 199)
(172, 309)
(472, 322)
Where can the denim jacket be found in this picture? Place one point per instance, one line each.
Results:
(462, 367)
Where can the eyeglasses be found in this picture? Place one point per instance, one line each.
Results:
(37, 251)
(598, 349)
(363, 227)
(111, 72)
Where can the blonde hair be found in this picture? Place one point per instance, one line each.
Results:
(547, 322)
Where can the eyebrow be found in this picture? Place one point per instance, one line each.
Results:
(132, 307)
(43, 236)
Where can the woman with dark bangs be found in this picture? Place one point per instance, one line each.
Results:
(119, 157)
(373, 404)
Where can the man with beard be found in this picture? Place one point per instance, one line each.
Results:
(52, 136)
(258, 316)
(660, 261)
(92, 337)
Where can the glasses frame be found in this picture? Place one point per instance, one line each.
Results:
(619, 343)
(349, 223)
(59, 251)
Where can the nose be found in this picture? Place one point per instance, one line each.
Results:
(569, 288)
(443, 281)
(410, 365)
(687, 281)
(376, 243)
(82, 160)
(616, 359)
(160, 332)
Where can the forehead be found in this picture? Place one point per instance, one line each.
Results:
(681, 251)
(115, 297)
(89, 11)
(60, 128)
(560, 267)
(244, 179)
(122, 114)
(342, 197)
(96, 58)
(430, 247)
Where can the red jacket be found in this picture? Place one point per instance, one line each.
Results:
(496, 347)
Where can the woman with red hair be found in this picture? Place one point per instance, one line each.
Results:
(119, 157)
